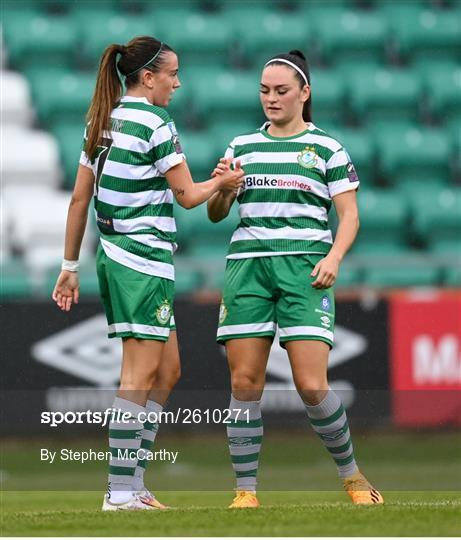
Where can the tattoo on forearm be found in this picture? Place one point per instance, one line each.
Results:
(178, 192)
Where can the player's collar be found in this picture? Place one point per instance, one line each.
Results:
(133, 99)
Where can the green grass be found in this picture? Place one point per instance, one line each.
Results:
(205, 514)
(418, 474)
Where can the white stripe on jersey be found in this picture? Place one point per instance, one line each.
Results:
(161, 223)
(341, 186)
(291, 181)
(268, 158)
(286, 210)
(129, 142)
(147, 118)
(337, 160)
(145, 266)
(166, 163)
(129, 172)
(141, 198)
(307, 138)
(286, 233)
(151, 241)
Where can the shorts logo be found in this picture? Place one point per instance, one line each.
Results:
(164, 312)
(325, 303)
(222, 313)
(308, 157)
(325, 321)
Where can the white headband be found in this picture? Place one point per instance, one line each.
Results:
(294, 66)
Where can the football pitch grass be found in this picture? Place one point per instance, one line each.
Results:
(205, 514)
(418, 474)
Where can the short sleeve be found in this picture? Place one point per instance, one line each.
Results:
(341, 174)
(166, 148)
(84, 159)
(230, 151)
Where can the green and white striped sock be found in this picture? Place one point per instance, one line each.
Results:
(124, 438)
(149, 433)
(329, 421)
(245, 434)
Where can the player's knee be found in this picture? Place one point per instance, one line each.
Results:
(247, 381)
(311, 390)
(168, 380)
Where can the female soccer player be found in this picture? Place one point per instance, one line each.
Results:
(132, 163)
(281, 266)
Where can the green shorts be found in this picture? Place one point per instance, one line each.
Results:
(136, 304)
(263, 292)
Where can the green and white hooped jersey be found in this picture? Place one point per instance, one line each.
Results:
(288, 190)
(132, 199)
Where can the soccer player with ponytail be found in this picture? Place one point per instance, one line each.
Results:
(282, 264)
(132, 165)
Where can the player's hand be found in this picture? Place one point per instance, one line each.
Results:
(230, 180)
(325, 272)
(223, 166)
(66, 290)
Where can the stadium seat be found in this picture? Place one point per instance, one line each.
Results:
(348, 36)
(361, 150)
(69, 137)
(348, 277)
(15, 280)
(61, 94)
(421, 33)
(30, 157)
(15, 105)
(35, 39)
(227, 95)
(198, 235)
(383, 221)
(195, 36)
(399, 275)
(222, 133)
(186, 280)
(412, 152)
(443, 87)
(200, 152)
(438, 218)
(46, 227)
(89, 286)
(452, 276)
(384, 94)
(180, 107)
(328, 95)
(278, 32)
(98, 28)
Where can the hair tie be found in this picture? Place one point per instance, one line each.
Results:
(294, 66)
(147, 63)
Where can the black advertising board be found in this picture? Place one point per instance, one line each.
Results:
(64, 361)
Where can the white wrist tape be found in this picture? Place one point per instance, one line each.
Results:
(71, 266)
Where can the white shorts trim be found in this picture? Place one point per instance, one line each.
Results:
(306, 331)
(139, 329)
(234, 329)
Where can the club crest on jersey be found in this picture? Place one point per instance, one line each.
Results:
(308, 157)
(222, 313)
(164, 312)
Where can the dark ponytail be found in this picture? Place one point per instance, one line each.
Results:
(297, 57)
(142, 52)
